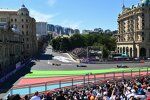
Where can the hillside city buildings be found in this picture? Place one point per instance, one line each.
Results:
(58, 30)
(134, 30)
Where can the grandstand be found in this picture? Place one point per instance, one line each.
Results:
(110, 86)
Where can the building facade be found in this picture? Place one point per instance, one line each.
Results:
(25, 24)
(41, 29)
(58, 30)
(11, 49)
(134, 30)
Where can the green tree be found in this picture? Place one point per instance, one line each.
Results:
(56, 43)
(65, 44)
(77, 41)
(99, 38)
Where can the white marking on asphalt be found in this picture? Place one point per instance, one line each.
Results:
(48, 62)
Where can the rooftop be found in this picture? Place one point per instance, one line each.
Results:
(9, 10)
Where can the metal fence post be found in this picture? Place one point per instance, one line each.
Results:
(11, 92)
(45, 87)
(88, 78)
(139, 72)
(104, 76)
(84, 80)
(60, 84)
(147, 71)
(29, 91)
(123, 74)
(114, 75)
(94, 78)
(131, 73)
(72, 82)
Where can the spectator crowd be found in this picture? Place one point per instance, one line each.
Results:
(124, 89)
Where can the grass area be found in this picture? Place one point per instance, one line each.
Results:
(40, 74)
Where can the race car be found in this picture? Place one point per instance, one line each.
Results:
(56, 64)
(122, 66)
(81, 65)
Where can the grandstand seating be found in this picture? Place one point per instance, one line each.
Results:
(120, 89)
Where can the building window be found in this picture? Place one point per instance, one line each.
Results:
(15, 20)
(21, 13)
(142, 9)
(27, 39)
(23, 39)
(26, 20)
(11, 26)
(27, 33)
(27, 46)
(26, 26)
(22, 26)
(3, 19)
(142, 33)
(22, 20)
(22, 32)
(142, 38)
(11, 20)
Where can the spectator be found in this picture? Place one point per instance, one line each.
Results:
(36, 96)
(61, 96)
(16, 97)
(26, 97)
(131, 89)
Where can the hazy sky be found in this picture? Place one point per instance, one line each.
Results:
(82, 14)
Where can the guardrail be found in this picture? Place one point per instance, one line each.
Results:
(77, 81)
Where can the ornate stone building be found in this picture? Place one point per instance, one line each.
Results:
(134, 30)
(26, 25)
(11, 49)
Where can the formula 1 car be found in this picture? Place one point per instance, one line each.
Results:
(122, 66)
(81, 65)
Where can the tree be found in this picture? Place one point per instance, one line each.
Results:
(106, 41)
(77, 41)
(105, 52)
(56, 43)
(65, 44)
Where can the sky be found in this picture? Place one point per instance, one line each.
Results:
(80, 14)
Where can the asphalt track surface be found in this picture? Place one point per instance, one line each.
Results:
(45, 61)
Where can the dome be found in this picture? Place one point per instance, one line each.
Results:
(23, 7)
(145, 2)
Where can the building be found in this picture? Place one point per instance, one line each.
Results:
(41, 29)
(42, 35)
(58, 30)
(25, 24)
(11, 47)
(50, 28)
(134, 30)
(77, 31)
(86, 31)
